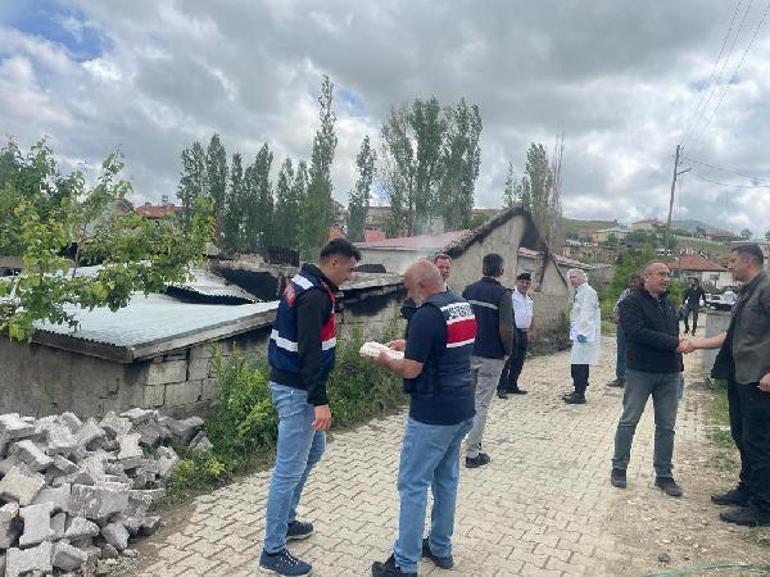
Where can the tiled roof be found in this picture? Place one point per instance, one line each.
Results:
(161, 211)
(418, 242)
(695, 262)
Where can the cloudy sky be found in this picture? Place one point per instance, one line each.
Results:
(626, 81)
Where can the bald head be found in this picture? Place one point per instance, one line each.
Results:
(422, 280)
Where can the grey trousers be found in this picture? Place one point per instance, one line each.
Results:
(664, 389)
(485, 374)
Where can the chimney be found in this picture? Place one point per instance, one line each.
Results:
(164, 200)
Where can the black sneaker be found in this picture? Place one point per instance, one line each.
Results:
(389, 569)
(298, 531)
(479, 461)
(284, 564)
(441, 562)
(618, 478)
(518, 392)
(748, 516)
(737, 497)
(669, 486)
(575, 399)
(502, 395)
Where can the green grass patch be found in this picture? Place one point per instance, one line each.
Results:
(243, 425)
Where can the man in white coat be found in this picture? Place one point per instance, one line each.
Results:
(585, 333)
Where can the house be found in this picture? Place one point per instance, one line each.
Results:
(159, 211)
(512, 234)
(687, 266)
(614, 234)
(648, 225)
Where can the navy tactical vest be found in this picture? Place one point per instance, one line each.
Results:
(283, 351)
(484, 296)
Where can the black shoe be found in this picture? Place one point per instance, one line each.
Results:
(616, 383)
(669, 486)
(518, 392)
(284, 564)
(618, 478)
(575, 399)
(502, 395)
(737, 497)
(298, 530)
(441, 562)
(479, 461)
(389, 569)
(748, 516)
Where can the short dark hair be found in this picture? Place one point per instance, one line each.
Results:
(524, 276)
(492, 265)
(340, 247)
(752, 251)
(441, 256)
(635, 276)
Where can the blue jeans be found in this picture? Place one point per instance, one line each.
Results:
(430, 457)
(620, 364)
(299, 448)
(664, 389)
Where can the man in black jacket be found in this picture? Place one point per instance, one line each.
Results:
(493, 308)
(301, 355)
(691, 304)
(654, 348)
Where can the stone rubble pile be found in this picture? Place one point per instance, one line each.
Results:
(73, 494)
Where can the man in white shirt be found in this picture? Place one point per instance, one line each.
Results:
(523, 309)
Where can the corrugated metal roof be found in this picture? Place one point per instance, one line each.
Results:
(208, 284)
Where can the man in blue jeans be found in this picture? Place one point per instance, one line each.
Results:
(301, 356)
(651, 328)
(436, 372)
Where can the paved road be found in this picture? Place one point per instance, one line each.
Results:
(542, 508)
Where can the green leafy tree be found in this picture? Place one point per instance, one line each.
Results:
(509, 193)
(216, 171)
(258, 201)
(767, 236)
(193, 181)
(538, 192)
(40, 222)
(286, 208)
(461, 158)
(232, 225)
(358, 204)
(746, 234)
(318, 210)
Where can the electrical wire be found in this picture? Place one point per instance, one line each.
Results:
(700, 176)
(708, 84)
(726, 170)
(735, 74)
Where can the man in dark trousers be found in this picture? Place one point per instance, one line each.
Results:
(654, 357)
(523, 311)
(493, 308)
(691, 304)
(744, 361)
(436, 372)
(301, 356)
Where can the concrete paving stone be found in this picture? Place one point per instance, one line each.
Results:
(68, 558)
(21, 485)
(114, 425)
(31, 455)
(98, 501)
(21, 561)
(37, 524)
(80, 527)
(58, 497)
(10, 525)
(89, 433)
(116, 535)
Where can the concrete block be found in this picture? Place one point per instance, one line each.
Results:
(209, 389)
(58, 497)
(149, 526)
(37, 524)
(68, 558)
(201, 352)
(152, 434)
(64, 465)
(154, 396)
(90, 433)
(81, 528)
(168, 372)
(19, 562)
(21, 485)
(31, 455)
(201, 442)
(183, 431)
(10, 462)
(114, 425)
(9, 525)
(99, 501)
(58, 523)
(72, 422)
(59, 439)
(116, 535)
(137, 416)
(138, 503)
(168, 461)
(132, 523)
(199, 369)
(185, 393)
(14, 427)
(130, 454)
(79, 477)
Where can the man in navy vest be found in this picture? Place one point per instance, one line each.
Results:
(493, 307)
(301, 356)
(436, 372)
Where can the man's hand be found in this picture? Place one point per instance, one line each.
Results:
(582, 339)
(764, 383)
(686, 346)
(323, 417)
(382, 360)
(397, 345)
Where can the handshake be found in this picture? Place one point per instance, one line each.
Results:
(687, 346)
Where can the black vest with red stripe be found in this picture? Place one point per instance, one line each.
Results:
(283, 351)
(447, 375)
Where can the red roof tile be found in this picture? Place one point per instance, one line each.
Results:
(695, 262)
(157, 211)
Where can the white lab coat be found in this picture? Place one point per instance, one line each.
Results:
(585, 319)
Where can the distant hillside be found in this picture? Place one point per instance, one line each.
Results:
(571, 226)
(692, 226)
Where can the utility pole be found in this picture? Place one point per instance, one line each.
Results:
(677, 173)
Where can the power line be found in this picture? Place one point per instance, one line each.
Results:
(727, 184)
(708, 85)
(727, 170)
(735, 73)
